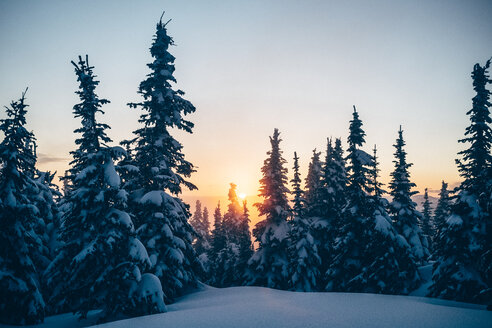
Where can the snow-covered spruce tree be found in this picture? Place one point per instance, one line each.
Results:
(463, 265)
(203, 256)
(101, 261)
(269, 264)
(197, 222)
(232, 217)
(227, 271)
(316, 210)
(334, 179)
(196, 219)
(441, 213)
(403, 210)
(161, 216)
(220, 254)
(47, 198)
(367, 254)
(426, 221)
(21, 301)
(201, 238)
(245, 245)
(218, 242)
(376, 186)
(313, 188)
(42, 194)
(206, 225)
(398, 258)
(332, 200)
(349, 249)
(303, 251)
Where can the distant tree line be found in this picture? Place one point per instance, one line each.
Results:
(120, 239)
(340, 233)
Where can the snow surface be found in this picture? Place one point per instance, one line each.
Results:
(263, 307)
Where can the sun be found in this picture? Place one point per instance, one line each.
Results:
(242, 195)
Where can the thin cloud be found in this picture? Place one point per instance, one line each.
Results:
(47, 158)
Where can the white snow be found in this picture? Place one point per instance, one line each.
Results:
(383, 226)
(110, 176)
(364, 157)
(425, 272)
(247, 307)
(152, 197)
(454, 220)
(138, 251)
(150, 287)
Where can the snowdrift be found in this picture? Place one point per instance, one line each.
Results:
(248, 307)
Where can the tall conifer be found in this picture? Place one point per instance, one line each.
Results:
(269, 264)
(403, 210)
(161, 216)
(21, 301)
(101, 262)
(464, 258)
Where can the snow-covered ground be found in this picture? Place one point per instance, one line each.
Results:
(262, 307)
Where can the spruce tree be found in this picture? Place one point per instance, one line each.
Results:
(332, 200)
(463, 265)
(204, 248)
(101, 262)
(232, 217)
(426, 222)
(335, 179)
(369, 255)
(21, 300)
(42, 194)
(245, 245)
(398, 258)
(229, 271)
(348, 252)
(206, 225)
(303, 251)
(441, 213)
(161, 216)
(269, 264)
(313, 189)
(201, 240)
(218, 243)
(376, 186)
(403, 210)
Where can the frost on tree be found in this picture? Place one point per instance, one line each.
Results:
(426, 223)
(245, 244)
(368, 255)
(220, 253)
(269, 264)
(101, 262)
(403, 210)
(463, 267)
(231, 243)
(331, 201)
(303, 250)
(441, 213)
(312, 194)
(201, 241)
(42, 193)
(160, 215)
(230, 224)
(21, 301)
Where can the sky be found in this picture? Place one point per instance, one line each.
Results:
(252, 66)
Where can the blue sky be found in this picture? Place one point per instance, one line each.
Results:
(251, 66)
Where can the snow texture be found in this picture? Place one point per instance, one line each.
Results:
(246, 307)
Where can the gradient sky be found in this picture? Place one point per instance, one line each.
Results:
(251, 66)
